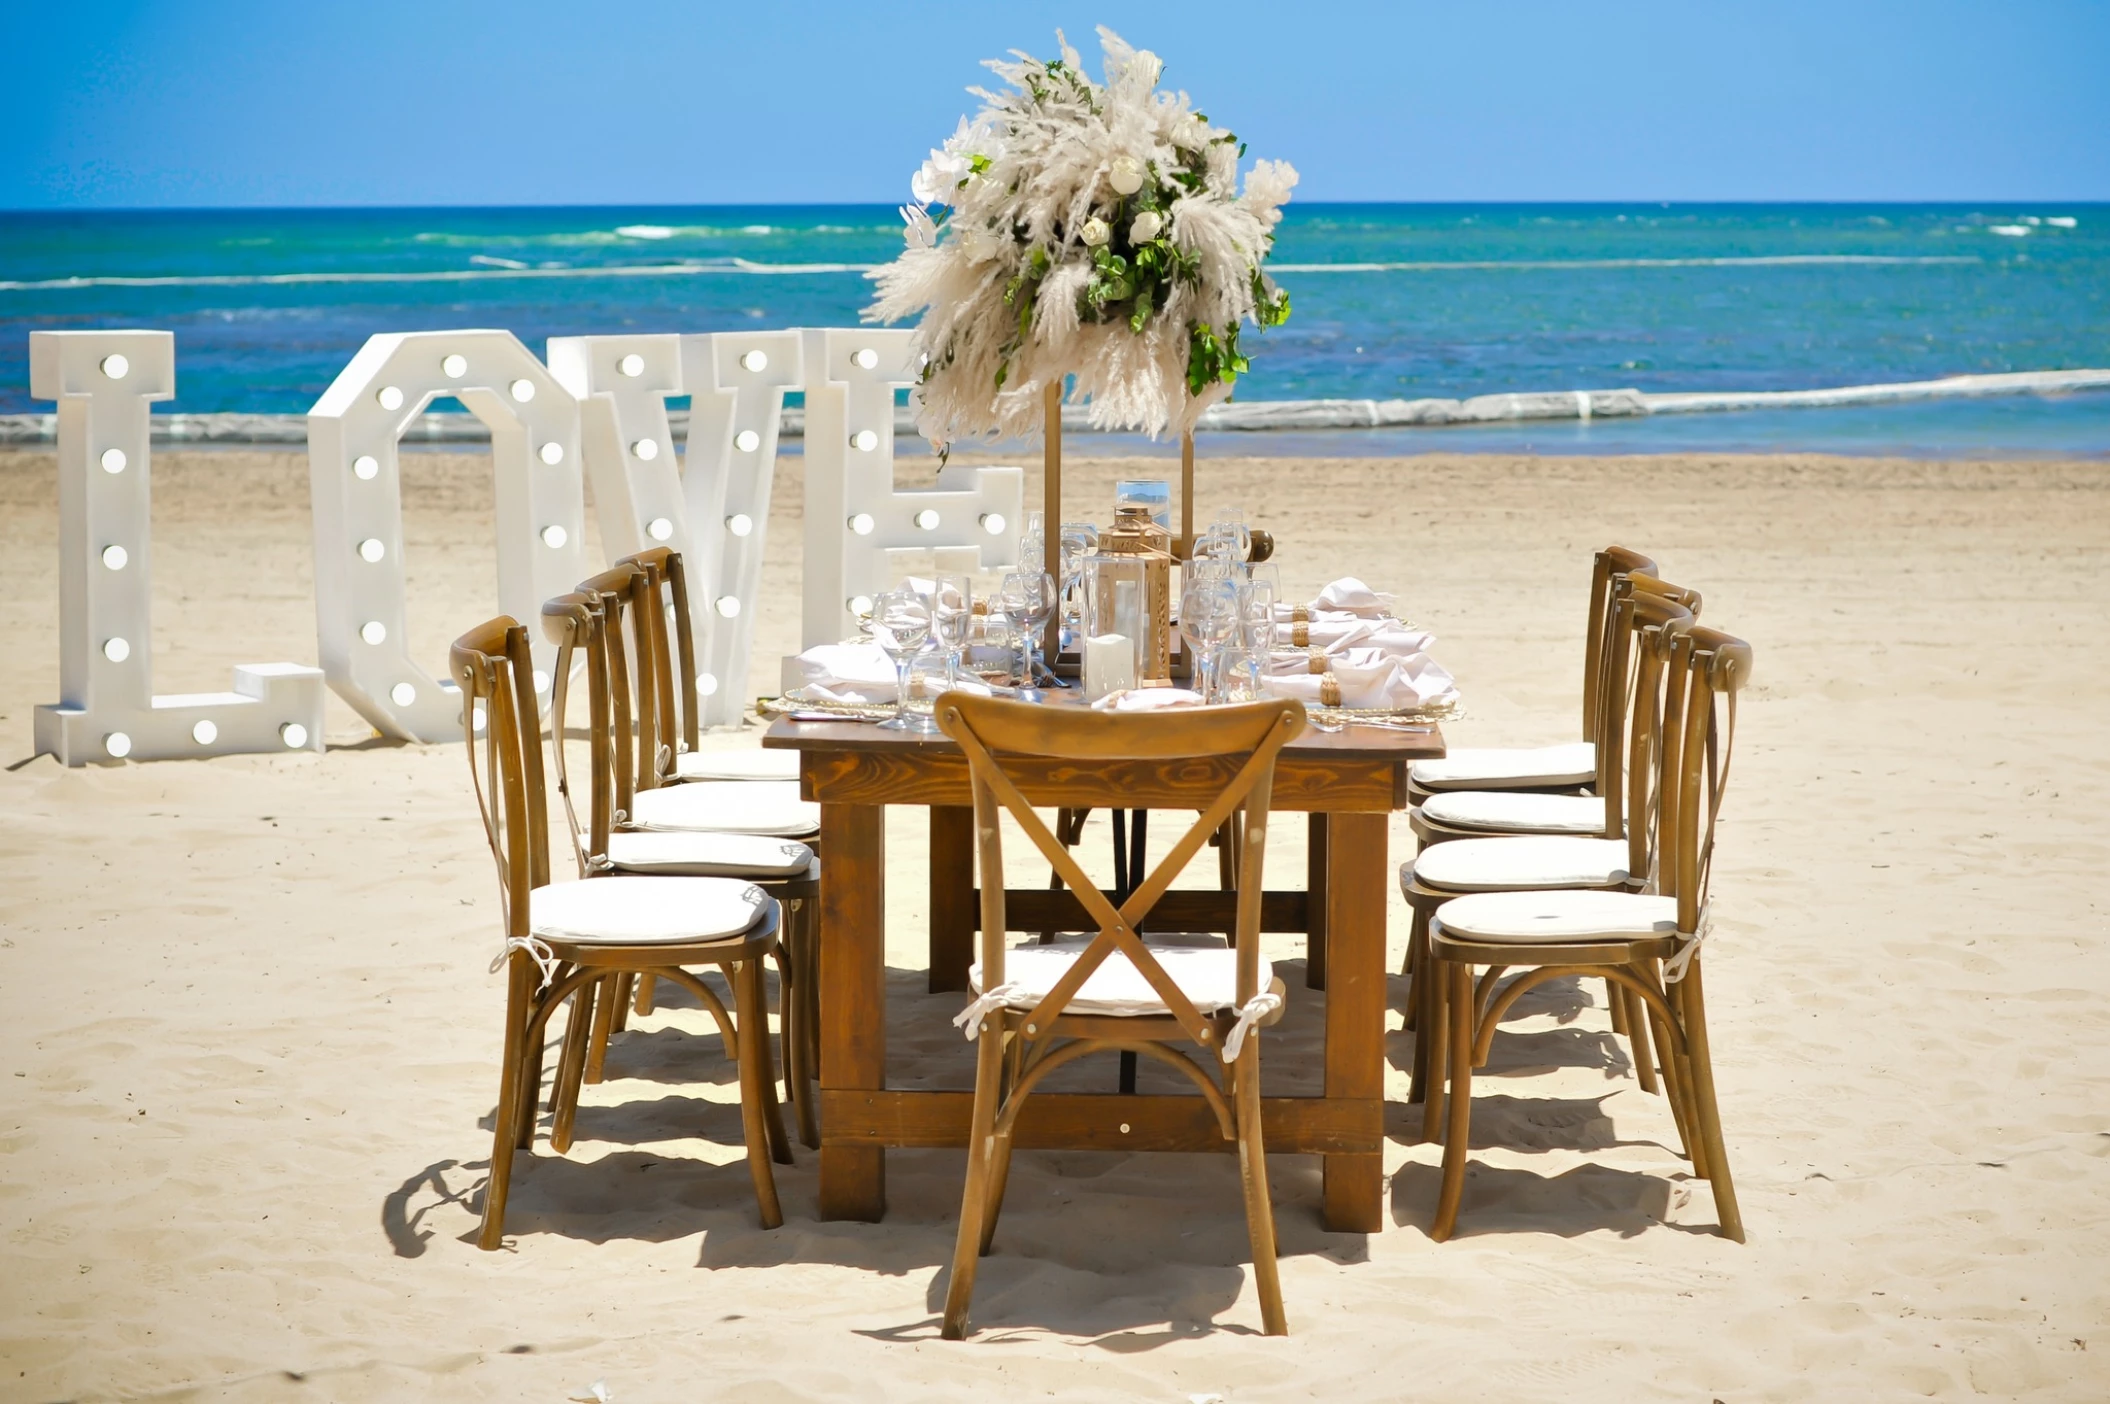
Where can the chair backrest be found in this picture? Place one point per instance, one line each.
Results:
(576, 623)
(1653, 637)
(673, 663)
(496, 673)
(1707, 669)
(1622, 700)
(1612, 561)
(996, 733)
(624, 593)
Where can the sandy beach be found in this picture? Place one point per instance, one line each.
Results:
(248, 1044)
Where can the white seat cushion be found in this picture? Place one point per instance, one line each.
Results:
(1527, 861)
(1557, 918)
(1516, 811)
(1507, 767)
(645, 911)
(1207, 975)
(754, 764)
(771, 807)
(694, 854)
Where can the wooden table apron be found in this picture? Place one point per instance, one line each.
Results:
(1346, 782)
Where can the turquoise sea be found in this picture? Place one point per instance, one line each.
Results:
(1391, 301)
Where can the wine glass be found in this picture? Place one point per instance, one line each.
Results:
(1208, 618)
(951, 616)
(901, 625)
(1028, 597)
(1230, 526)
(1078, 540)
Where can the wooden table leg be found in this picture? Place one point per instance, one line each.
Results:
(952, 907)
(853, 997)
(1356, 859)
(1315, 903)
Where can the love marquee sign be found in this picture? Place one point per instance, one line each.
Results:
(596, 410)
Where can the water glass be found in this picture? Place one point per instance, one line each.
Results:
(1208, 619)
(901, 626)
(951, 617)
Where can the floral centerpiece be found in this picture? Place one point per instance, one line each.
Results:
(1083, 229)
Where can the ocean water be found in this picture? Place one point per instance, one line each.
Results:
(1391, 301)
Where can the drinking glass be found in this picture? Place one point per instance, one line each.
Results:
(1256, 615)
(1230, 525)
(951, 616)
(1208, 619)
(901, 626)
(1078, 540)
(1028, 598)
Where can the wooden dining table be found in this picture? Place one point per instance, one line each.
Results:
(1347, 782)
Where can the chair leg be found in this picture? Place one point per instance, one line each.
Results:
(1259, 1209)
(645, 984)
(531, 1083)
(571, 1067)
(511, 1077)
(1617, 996)
(752, 1029)
(1458, 1139)
(1638, 1031)
(604, 1008)
(981, 1134)
(1692, 1006)
(999, 1178)
(625, 991)
(1435, 1017)
(772, 1109)
(797, 1083)
(1417, 1004)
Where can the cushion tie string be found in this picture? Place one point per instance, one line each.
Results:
(1689, 943)
(1257, 1008)
(970, 1018)
(538, 951)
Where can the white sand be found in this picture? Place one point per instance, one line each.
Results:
(249, 1040)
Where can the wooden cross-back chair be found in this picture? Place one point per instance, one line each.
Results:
(1039, 1008)
(1568, 765)
(1649, 942)
(1600, 812)
(590, 625)
(1443, 871)
(563, 939)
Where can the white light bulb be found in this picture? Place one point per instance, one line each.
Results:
(927, 519)
(864, 441)
(646, 450)
(631, 365)
(116, 650)
(659, 528)
(204, 732)
(294, 735)
(727, 607)
(454, 367)
(552, 453)
(541, 681)
(522, 391)
(117, 368)
(371, 550)
(747, 441)
(862, 524)
(374, 631)
(859, 604)
(740, 524)
(993, 523)
(402, 694)
(554, 537)
(390, 398)
(366, 466)
(755, 361)
(117, 743)
(707, 684)
(114, 558)
(114, 460)
(865, 359)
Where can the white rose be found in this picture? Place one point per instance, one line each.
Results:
(1148, 226)
(1125, 175)
(1095, 232)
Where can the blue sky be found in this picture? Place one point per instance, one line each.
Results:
(387, 102)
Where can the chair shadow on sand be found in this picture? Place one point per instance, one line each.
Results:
(1503, 1199)
(1075, 1226)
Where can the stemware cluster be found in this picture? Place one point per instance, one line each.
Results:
(996, 639)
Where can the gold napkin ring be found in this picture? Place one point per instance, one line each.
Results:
(1300, 634)
(1330, 691)
(1315, 661)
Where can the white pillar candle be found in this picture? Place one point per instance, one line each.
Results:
(1109, 665)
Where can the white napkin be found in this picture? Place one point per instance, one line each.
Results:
(1346, 598)
(845, 672)
(1147, 699)
(1337, 636)
(1371, 679)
